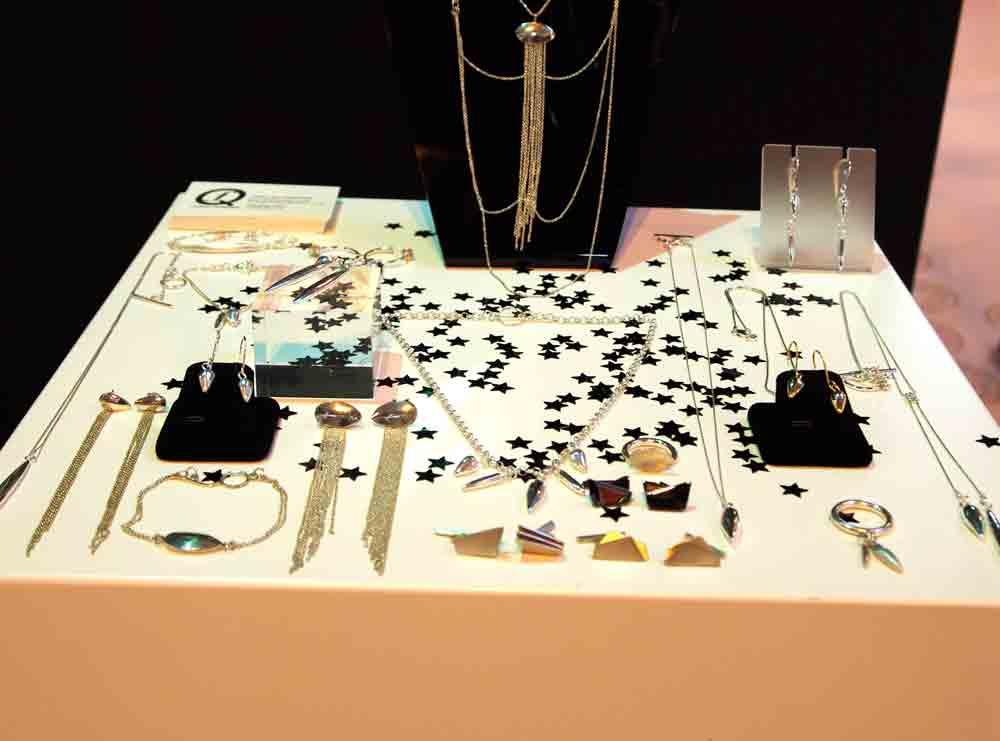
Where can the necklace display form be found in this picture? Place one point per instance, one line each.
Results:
(970, 514)
(110, 403)
(536, 477)
(730, 519)
(334, 417)
(535, 37)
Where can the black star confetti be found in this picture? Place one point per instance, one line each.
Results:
(794, 489)
(989, 442)
(615, 513)
(351, 473)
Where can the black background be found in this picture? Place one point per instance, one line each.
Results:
(112, 115)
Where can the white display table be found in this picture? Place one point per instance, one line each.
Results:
(791, 638)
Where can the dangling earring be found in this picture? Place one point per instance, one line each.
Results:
(841, 172)
(246, 388)
(793, 203)
(795, 383)
(207, 374)
(838, 398)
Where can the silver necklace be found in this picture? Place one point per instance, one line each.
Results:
(971, 515)
(741, 330)
(730, 519)
(504, 473)
(526, 202)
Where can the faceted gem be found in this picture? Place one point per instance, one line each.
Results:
(609, 493)
(886, 556)
(694, 551)
(571, 483)
(113, 402)
(395, 414)
(990, 515)
(973, 519)
(795, 385)
(839, 400)
(152, 402)
(536, 490)
(730, 521)
(205, 378)
(469, 464)
(579, 460)
(192, 543)
(483, 482)
(246, 388)
(661, 497)
(336, 414)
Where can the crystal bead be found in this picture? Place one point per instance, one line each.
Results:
(973, 519)
(192, 543)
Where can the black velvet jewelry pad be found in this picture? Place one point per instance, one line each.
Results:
(217, 425)
(805, 430)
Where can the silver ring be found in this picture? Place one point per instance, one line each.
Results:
(856, 528)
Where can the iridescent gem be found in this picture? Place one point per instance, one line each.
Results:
(839, 400)
(245, 386)
(795, 385)
(469, 464)
(886, 556)
(536, 490)
(973, 519)
(194, 543)
(205, 377)
(579, 460)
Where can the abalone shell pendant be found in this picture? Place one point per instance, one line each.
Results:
(191, 543)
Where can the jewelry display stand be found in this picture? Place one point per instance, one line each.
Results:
(817, 223)
(138, 642)
(424, 49)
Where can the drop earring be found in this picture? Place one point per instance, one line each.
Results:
(206, 375)
(246, 388)
(838, 397)
(793, 203)
(795, 383)
(841, 172)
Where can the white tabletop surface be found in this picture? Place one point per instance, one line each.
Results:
(789, 550)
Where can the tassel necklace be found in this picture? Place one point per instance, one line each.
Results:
(535, 36)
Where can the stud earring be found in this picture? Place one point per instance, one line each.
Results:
(246, 388)
(838, 398)
(795, 383)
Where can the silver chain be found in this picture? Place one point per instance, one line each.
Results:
(554, 461)
(717, 483)
(611, 44)
(740, 329)
(913, 402)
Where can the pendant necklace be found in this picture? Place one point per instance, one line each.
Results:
(741, 330)
(970, 513)
(573, 453)
(535, 36)
(730, 515)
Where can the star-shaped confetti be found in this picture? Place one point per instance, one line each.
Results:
(793, 489)
(615, 513)
(989, 442)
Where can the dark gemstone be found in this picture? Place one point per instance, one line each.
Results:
(609, 493)
(536, 489)
(730, 521)
(667, 499)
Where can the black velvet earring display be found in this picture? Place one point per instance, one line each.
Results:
(218, 425)
(424, 52)
(806, 430)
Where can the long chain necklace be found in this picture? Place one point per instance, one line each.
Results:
(536, 476)
(730, 515)
(741, 330)
(532, 122)
(971, 515)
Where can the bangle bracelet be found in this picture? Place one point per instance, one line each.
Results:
(201, 543)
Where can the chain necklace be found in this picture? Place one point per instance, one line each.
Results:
(554, 461)
(531, 138)
(741, 330)
(730, 515)
(200, 543)
(971, 515)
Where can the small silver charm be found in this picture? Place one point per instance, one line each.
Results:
(536, 490)
(484, 482)
(468, 465)
(205, 377)
(578, 459)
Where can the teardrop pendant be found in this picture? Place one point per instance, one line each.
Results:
(468, 465)
(246, 388)
(191, 543)
(579, 460)
(484, 482)
(536, 490)
(730, 522)
(205, 377)
(839, 400)
(794, 386)
(973, 519)
(887, 557)
(994, 524)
